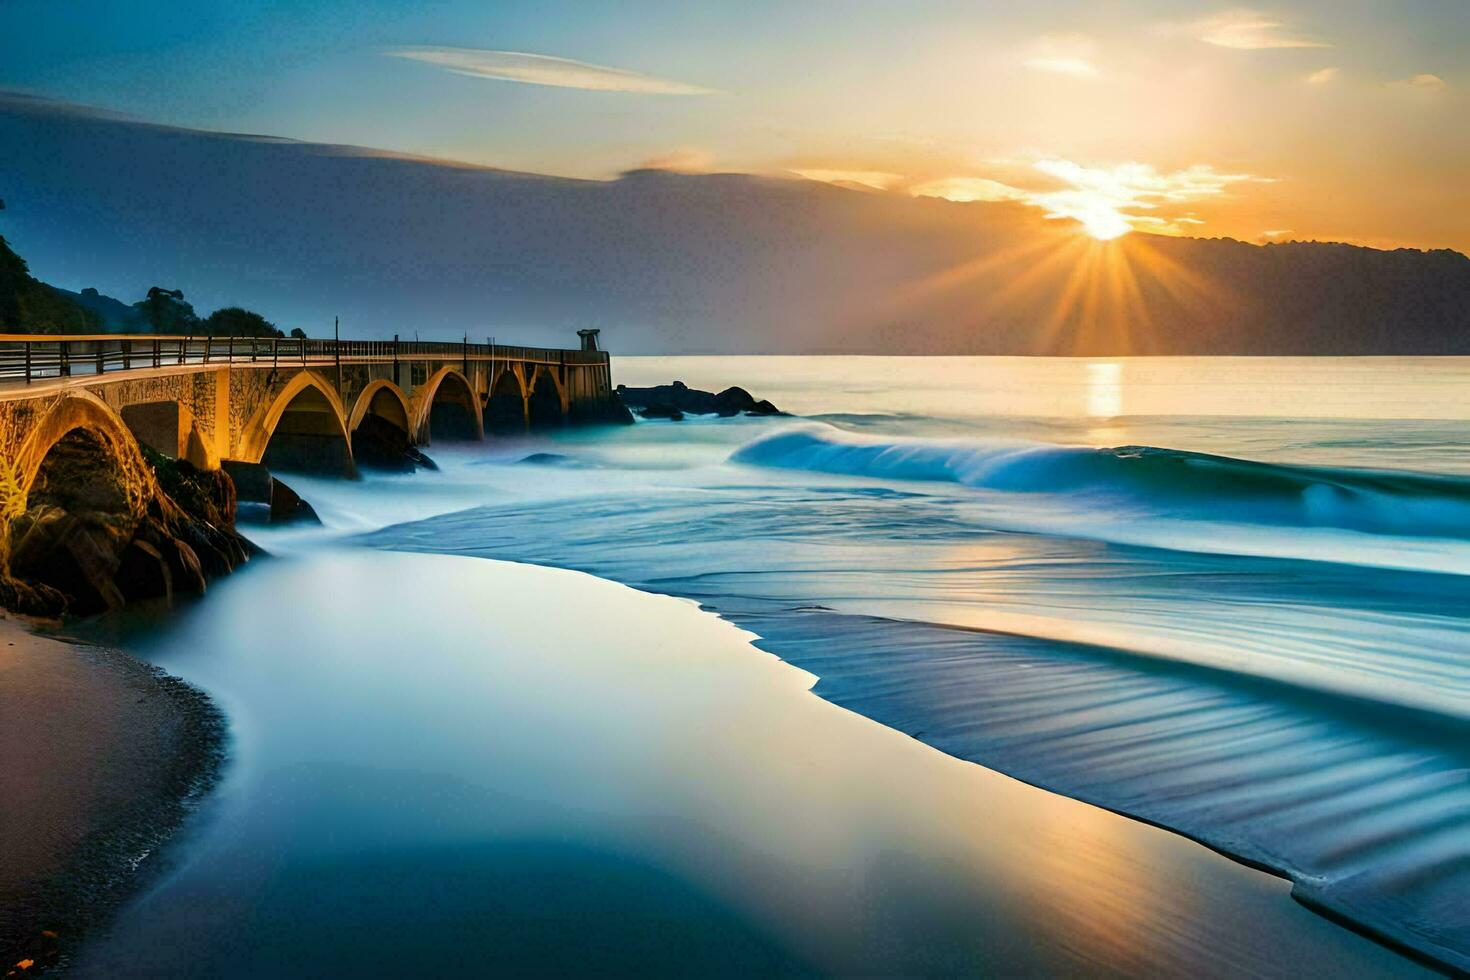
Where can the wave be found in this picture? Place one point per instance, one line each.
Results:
(1148, 479)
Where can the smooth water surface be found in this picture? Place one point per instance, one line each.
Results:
(1225, 595)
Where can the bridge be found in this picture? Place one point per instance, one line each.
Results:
(320, 406)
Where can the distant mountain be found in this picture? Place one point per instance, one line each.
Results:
(113, 315)
(669, 262)
(28, 305)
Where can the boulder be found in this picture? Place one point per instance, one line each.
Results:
(252, 480)
(287, 507)
(661, 410)
(379, 444)
(144, 573)
(55, 548)
(186, 572)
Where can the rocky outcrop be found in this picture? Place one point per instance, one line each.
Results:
(678, 399)
(265, 498)
(85, 543)
(378, 444)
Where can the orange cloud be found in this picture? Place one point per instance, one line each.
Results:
(1250, 30)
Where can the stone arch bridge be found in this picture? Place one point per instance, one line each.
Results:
(303, 405)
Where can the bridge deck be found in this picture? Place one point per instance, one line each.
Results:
(28, 358)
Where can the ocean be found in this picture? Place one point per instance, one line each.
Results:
(1224, 597)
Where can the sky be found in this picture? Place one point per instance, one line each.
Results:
(1344, 120)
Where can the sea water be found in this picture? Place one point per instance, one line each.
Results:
(1226, 596)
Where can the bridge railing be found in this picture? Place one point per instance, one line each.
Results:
(35, 357)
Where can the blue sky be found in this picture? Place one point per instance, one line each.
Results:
(1334, 118)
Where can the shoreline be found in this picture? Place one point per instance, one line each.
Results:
(102, 757)
(766, 798)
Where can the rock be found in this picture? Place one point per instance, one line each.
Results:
(379, 444)
(252, 480)
(287, 507)
(144, 573)
(661, 410)
(57, 549)
(31, 598)
(186, 573)
(658, 401)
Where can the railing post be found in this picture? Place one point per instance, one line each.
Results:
(157, 353)
(28, 360)
(65, 359)
(464, 352)
(395, 359)
(275, 352)
(101, 364)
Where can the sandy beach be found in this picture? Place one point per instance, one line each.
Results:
(100, 757)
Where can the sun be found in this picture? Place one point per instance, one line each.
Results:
(1103, 222)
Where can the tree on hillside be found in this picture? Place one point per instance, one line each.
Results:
(28, 305)
(297, 333)
(164, 311)
(233, 321)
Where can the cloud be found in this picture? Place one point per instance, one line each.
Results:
(686, 160)
(540, 69)
(1423, 83)
(1063, 55)
(969, 189)
(1249, 30)
(878, 180)
(1323, 75)
(1104, 200)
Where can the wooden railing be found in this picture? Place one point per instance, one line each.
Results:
(33, 357)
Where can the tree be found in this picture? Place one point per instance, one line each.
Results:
(297, 333)
(164, 311)
(28, 305)
(233, 321)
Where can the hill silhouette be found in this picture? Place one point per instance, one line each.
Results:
(668, 262)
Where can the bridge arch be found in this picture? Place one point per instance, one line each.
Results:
(80, 486)
(302, 429)
(546, 405)
(81, 417)
(448, 407)
(381, 427)
(505, 409)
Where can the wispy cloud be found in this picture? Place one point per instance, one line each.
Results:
(1423, 83)
(1323, 76)
(689, 160)
(969, 189)
(1250, 30)
(540, 69)
(1071, 54)
(878, 180)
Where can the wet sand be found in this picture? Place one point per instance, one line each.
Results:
(101, 757)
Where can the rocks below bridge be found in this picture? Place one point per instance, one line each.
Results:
(264, 498)
(95, 537)
(378, 444)
(677, 400)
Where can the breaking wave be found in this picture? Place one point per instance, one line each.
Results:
(1142, 480)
